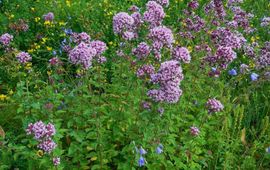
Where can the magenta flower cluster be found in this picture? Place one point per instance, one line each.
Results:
(194, 131)
(43, 134)
(263, 60)
(161, 36)
(168, 78)
(23, 57)
(145, 70)
(5, 39)
(142, 51)
(181, 54)
(154, 14)
(214, 105)
(49, 16)
(84, 53)
(163, 2)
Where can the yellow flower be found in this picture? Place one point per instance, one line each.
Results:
(40, 153)
(30, 50)
(49, 48)
(62, 23)
(110, 43)
(253, 39)
(190, 49)
(10, 92)
(257, 37)
(37, 19)
(48, 23)
(94, 158)
(11, 16)
(28, 66)
(44, 40)
(49, 72)
(3, 97)
(68, 3)
(32, 9)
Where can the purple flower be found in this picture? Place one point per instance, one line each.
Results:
(99, 46)
(265, 21)
(146, 105)
(154, 14)
(54, 61)
(168, 77)
(56, 161)
(122, 22)
(142, 50)
(214, 106)
(81, 37)
(161, 36)
(244, 68)
(49, 16)
(181, 54)
(159, 149)
(194, 131)
(163, 2)
(145, 70)
(47, 145)
(254, 77)
(23, 57)
(5, 39)
(193, 4)
(232, 72)
(82, 55)
(141, 161)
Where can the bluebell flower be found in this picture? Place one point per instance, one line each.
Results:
(68, 31)
(141, 161)
(159, 149)
(254, 77)
(232, 72)
(142, 151)
(54, 53)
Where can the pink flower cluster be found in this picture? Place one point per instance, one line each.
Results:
(84, 53)
(263, 60)
(194, 131)
(154, 14)
(265, 21)
(5, 39)
(142, 51)
(49, 16)
(168, 77)
(163, 2)
(161, 36)
(214, 106)
(23, 57)
(43, 134)
(146, 70)
(223, 57)
(80, 37)
(181, 54)
(224, 37)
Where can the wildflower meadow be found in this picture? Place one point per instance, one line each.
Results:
(135, 84)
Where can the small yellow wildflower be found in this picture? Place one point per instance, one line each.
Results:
(62, 23)
(30, 50)
(40, 153)
(49, 72)
(49, 48)
(68, 3)
(3, 97)
(190, 49)
(32, 9)
(37, 19)
(94, 158)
